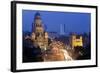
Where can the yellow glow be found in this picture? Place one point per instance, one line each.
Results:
(77, 42)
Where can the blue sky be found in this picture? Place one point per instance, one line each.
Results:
(74, 22)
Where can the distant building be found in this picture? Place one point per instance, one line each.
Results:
(62, 29)
(39, 36)
(76, 40)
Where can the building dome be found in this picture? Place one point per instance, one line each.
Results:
(37, 15)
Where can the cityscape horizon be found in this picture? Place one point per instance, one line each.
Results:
(55, 36)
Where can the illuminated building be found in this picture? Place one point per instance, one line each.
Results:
(39, 36)
(76, 40)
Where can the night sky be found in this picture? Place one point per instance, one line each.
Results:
(74, 22)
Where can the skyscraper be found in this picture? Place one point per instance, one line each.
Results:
(62, 29)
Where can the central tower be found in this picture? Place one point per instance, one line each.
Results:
(39, 36)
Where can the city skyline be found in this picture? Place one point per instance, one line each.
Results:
(50, 40)
(73, 22)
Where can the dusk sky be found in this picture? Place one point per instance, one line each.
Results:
(74, 22)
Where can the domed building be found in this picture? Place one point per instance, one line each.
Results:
(39, 36)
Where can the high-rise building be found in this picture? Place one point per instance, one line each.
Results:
(62, 29)
(39, 35)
